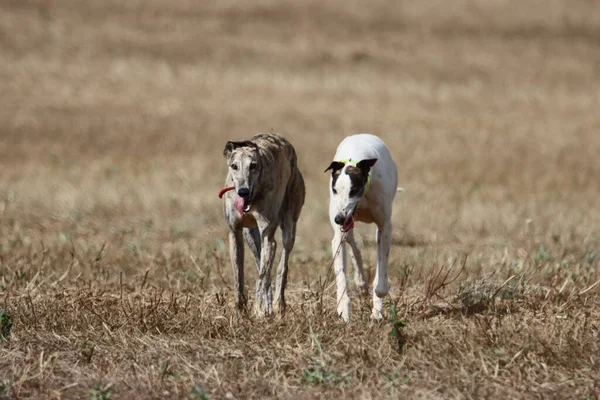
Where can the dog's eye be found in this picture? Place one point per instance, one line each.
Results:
(234, 167)
(253, 166)
(334, 191)
(353, 192)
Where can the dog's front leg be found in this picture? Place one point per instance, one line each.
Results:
(236, 253)
(263, 306)
(339, 267)
(360, 278)
(381, 286)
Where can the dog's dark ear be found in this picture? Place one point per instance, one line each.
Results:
(230, 146)
(366, 165)
(334, 166)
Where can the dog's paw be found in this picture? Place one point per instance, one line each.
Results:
(280, 306)
(377, 310)
(361, 284)
(376, 315)
(261, 314)
(263, 310)
(241, 303)
(344, 312)
(344, 315)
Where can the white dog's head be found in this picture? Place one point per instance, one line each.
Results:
(349, 182)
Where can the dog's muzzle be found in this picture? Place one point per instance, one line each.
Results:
(346, 223)
(243, 202)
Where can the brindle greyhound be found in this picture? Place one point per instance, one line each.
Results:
(269, 191)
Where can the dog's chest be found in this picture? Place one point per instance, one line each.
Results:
(238, 217)
(248, 220)
(364, 215)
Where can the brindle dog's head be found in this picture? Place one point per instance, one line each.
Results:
(348, 182)
(244, 169)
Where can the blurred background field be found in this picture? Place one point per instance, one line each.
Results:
(113, 261)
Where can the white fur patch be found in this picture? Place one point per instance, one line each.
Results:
(341, 202)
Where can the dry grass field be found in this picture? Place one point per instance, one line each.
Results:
(114, 269)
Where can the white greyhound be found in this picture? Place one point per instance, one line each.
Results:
(363, 185)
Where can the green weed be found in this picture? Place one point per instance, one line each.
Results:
(97, 392)
(6, 326)
(397, 325)
(319, 373)
(198, 393)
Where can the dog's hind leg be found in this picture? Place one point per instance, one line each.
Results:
(252, 237)
(236, 252)
(380, 284)
(288, 237)
(360, 279)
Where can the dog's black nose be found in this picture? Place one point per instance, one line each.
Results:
(339, 219)
(243, 192)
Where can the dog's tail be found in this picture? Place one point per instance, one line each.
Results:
(398, 190)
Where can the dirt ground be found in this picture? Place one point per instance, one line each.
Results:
(114, 269)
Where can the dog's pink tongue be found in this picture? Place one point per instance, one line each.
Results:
(348, 225)
(239, 204)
